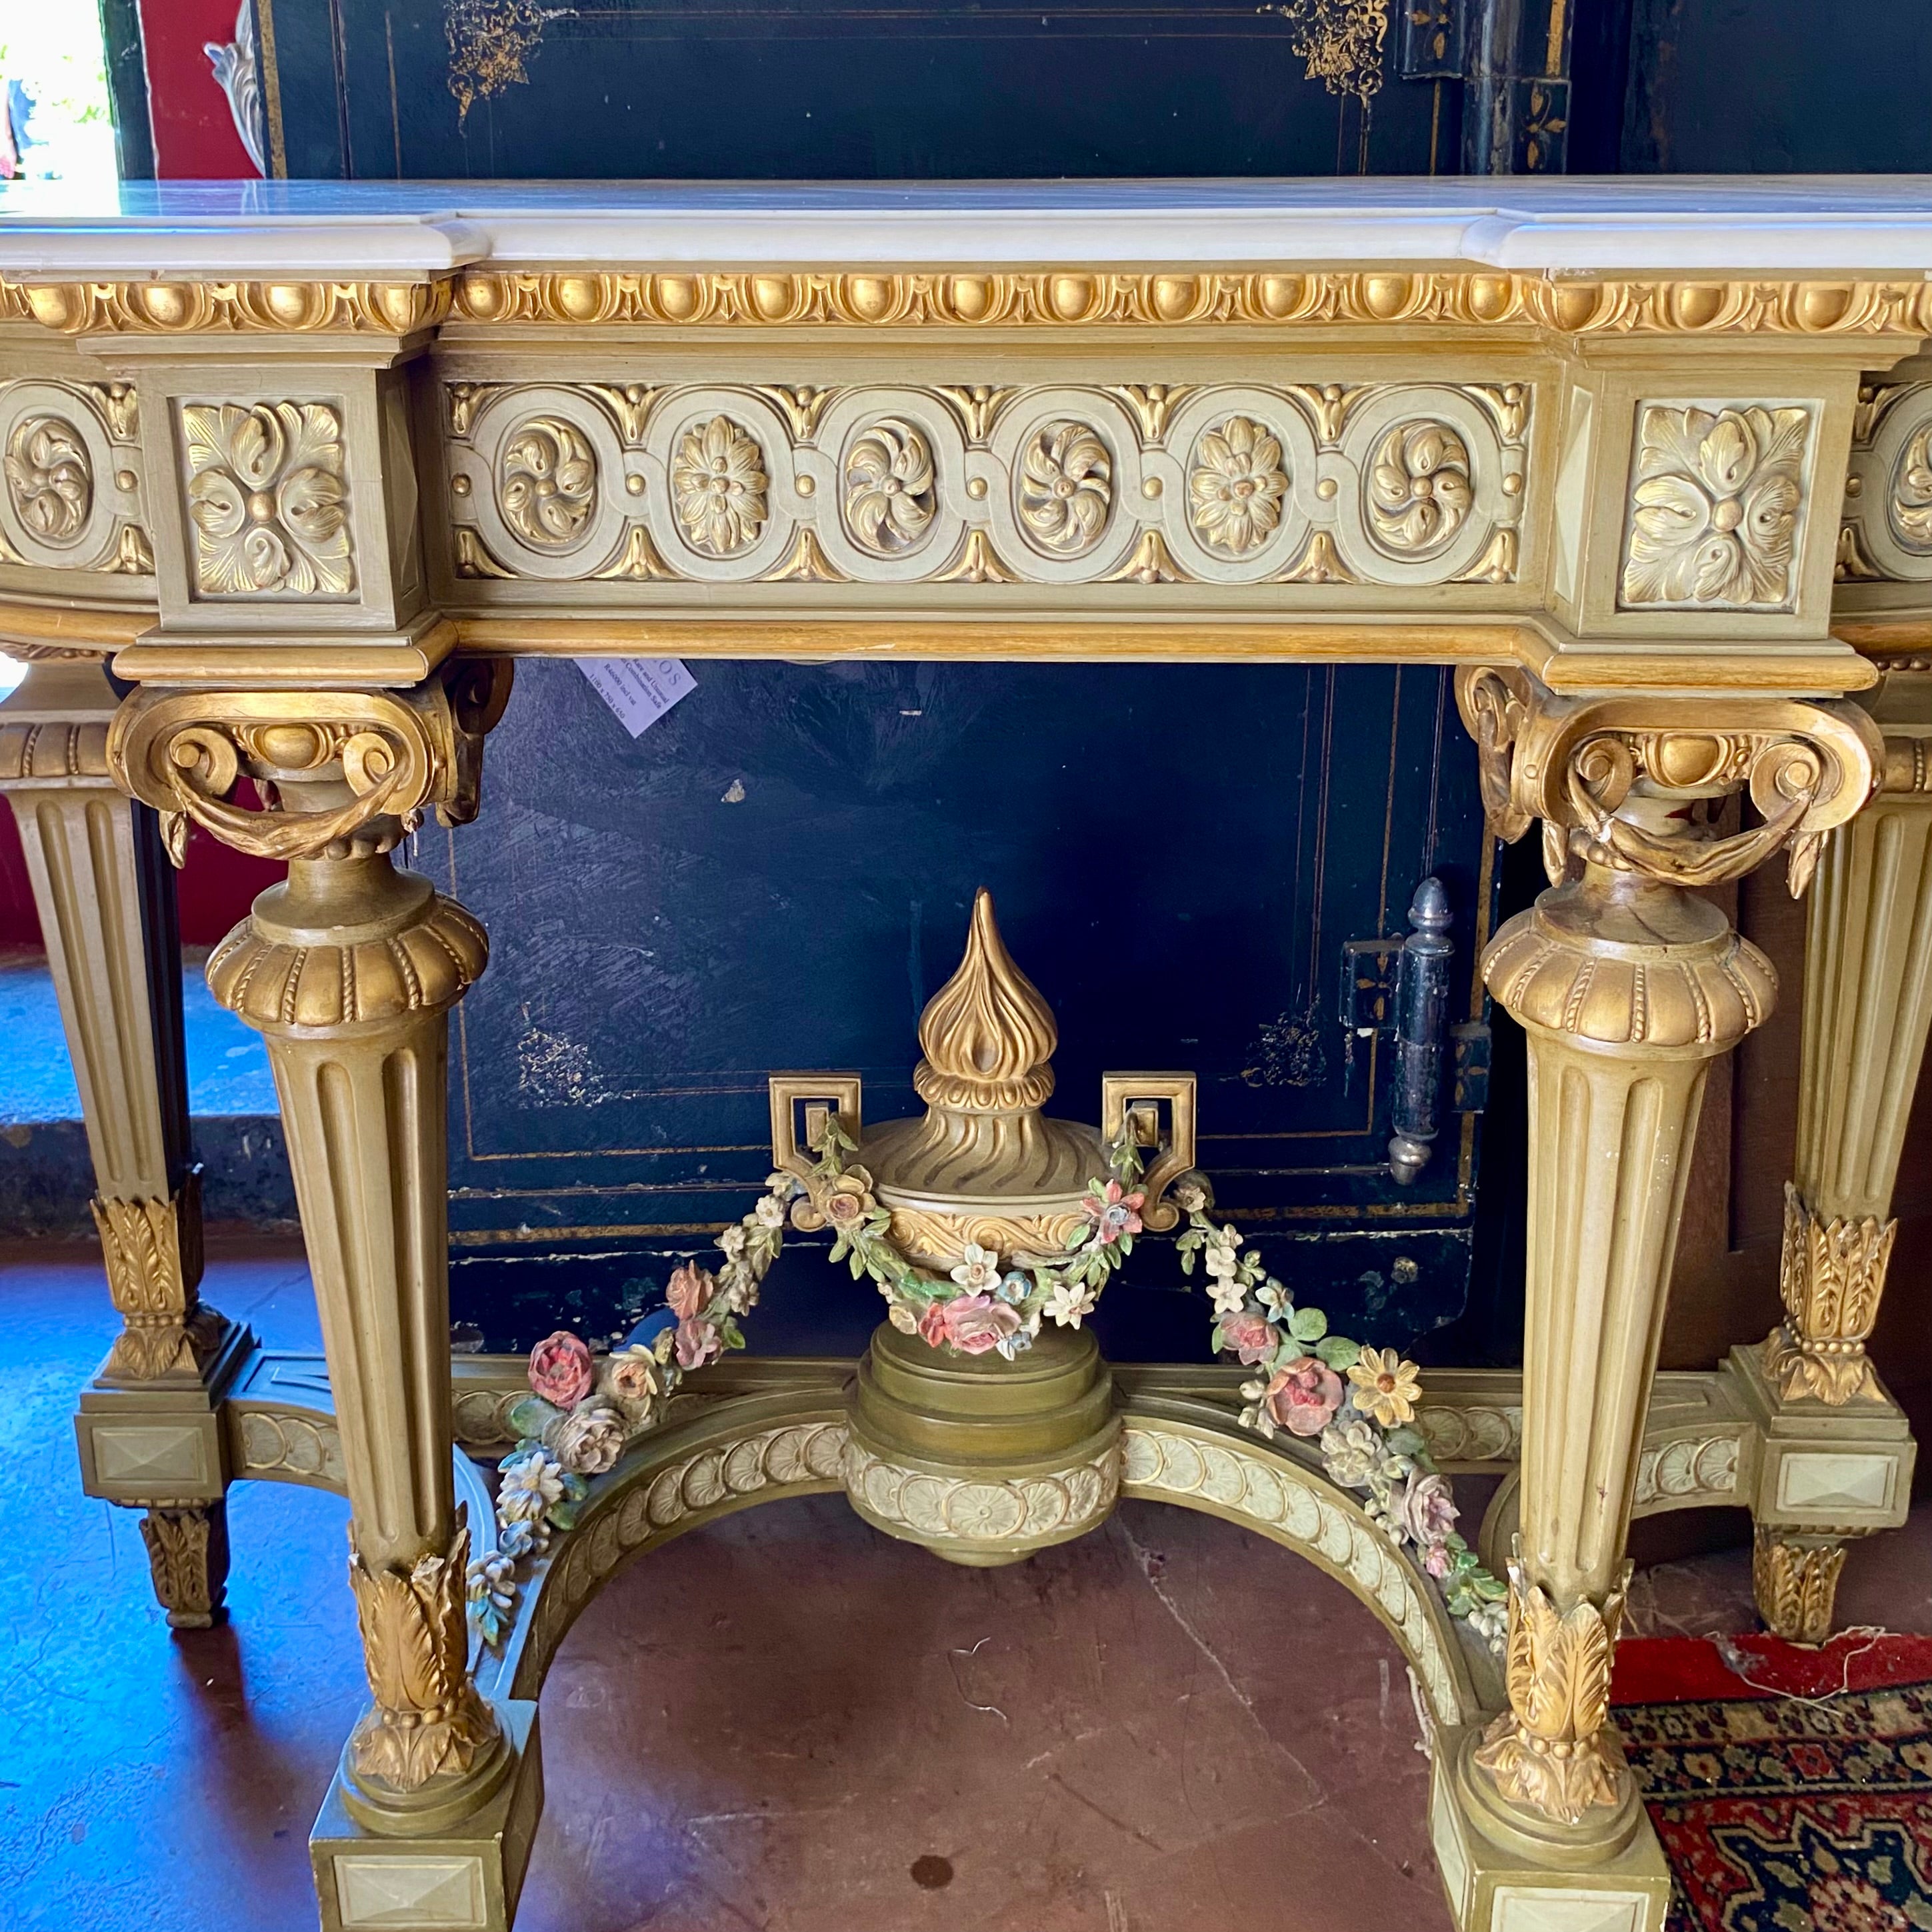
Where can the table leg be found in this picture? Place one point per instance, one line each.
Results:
(148, 1423)
(1868, 1005)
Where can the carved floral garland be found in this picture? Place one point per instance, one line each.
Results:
(584, 1409)
(1357, 1402)
(979, 1306)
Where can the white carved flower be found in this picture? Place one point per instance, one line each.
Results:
(1066, 487)
(889, 488)
(1419, 488)
(1716, 515)
(1070, 1303)
(549, 486)
(266, 494)
(49, 478)
(720, 482)
(1237, 485)
(531, 1484)
(979, 1270)
(1912, 496)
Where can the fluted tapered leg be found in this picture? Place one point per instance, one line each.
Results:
(350, 970)
(1628, 990)
(105, 895)
(1867, 1006)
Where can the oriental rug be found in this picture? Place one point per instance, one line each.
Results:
(1792, 1789)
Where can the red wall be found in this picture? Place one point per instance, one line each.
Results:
(194, 133)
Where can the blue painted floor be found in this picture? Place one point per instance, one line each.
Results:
(227, 1069)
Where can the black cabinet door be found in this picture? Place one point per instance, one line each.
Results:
(778, 874)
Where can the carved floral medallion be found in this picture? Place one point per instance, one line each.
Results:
(50, 479)
(1714, 513)
(1419, 490)
(1236, 486)
(267, 499)
(547, 489)
(719, 479)
(890, 496)
(1065, 489)
(1911, 508)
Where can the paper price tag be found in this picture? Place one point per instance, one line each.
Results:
(640, 690)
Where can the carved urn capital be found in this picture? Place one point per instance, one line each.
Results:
(1634, 783)
(341, 774)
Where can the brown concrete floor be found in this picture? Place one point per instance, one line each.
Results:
(784, 1722)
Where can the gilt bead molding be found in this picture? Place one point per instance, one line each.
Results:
(1403, 485)
(1049, 298)
(71, 478)
(1886, 533)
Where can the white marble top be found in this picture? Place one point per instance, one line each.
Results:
(1861, 225)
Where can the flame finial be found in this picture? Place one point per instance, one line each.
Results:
(988, 1035)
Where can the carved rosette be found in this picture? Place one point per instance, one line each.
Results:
(1717, 498)
(1064, 493)
(428, 1720)
(548, 488)
(891, 489)
(1418, 490)
(719, 479)
(1795, 1579)
(267, 499)
(50, 479)
(1831, 1275)
(1553, 1751)
(1236, 486)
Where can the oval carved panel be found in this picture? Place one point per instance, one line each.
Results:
(890, 495)
(1419, 493)
(547, 483)
(719, 479)
(50, 479)
(1064, 493)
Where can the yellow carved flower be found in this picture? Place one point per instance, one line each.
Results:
(549, 490)
(1066, 487)
(848, 1200)
(1419, 491)
(889, 488)
(266, 495)
(719, 478)
(1386, 1386)
(1716, 515)
(1236, 486)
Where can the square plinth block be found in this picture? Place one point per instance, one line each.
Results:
(465, 1880)
(1493, 1889)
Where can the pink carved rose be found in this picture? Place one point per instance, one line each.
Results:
(698, 1342)
(1435, 1560)
(1304, 1396)
(561, 1369)
(1251, 1337)
(1428, 1507)
(690, 1291)
(970, 1323)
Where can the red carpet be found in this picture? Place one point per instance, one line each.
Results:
(1792, 1789)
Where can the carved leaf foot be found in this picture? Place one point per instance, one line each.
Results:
(187, 1553)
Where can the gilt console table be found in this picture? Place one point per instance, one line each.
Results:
(304, 468)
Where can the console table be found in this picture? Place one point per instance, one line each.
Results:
(306, 467)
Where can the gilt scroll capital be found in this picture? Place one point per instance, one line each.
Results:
(340, 773)
(1636, 782)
